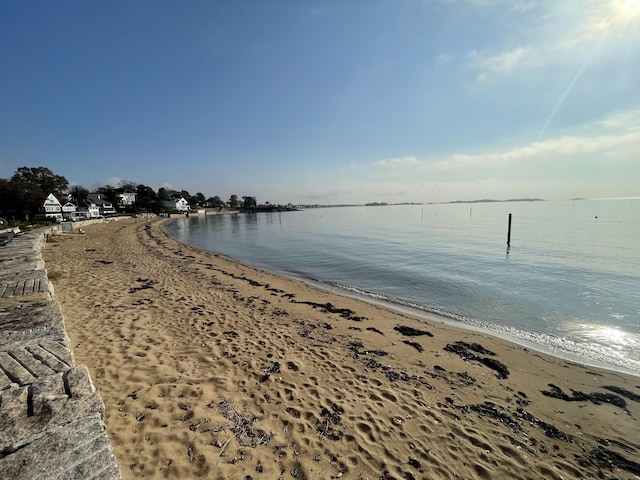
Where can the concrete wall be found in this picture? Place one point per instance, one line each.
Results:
(51, 415)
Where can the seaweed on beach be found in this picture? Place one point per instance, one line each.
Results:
(385, 475)
(374, 329)
(597, 398)
(499, 367)
(355, 347)
(491, 410)
(603, 458)
(548, 429)
(475, 347)
(486, 409)
(271, 289)
(325, 429)
(145, 283)
(377, 353)
(333, 414)
(465, 378)
(411, 332)
(373, 364)
(274, 368)
(252, 282)
(330, 308)
(394, 376)
(624, 392)
(462, 350)
(242, 427)
(415, 345)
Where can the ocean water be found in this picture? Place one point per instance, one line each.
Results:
(569, 284)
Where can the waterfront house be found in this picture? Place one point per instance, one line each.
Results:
(126, 199)
(179, 204)
(52, 208)
(89, 209)
(69, 210)
(105, 206)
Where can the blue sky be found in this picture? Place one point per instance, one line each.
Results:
(345, 101)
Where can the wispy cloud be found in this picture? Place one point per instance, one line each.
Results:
(397, 162)
(628, 120)
(559, 33)
(598, 159)
(501, 63)
(444, 58)
(573, 151)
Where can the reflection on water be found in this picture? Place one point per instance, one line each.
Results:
(570, 281)
(612, 336)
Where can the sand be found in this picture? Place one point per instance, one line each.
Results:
(212, 369)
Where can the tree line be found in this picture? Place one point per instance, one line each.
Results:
(22, 196)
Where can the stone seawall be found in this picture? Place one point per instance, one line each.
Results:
(51, 415)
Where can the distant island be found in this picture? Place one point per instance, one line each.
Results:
(484, 200)
(385, 204)
(488, 200)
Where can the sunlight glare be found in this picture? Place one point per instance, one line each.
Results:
(629, 9)
(612, 335)
(621, 16)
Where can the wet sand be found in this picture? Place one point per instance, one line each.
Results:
(212, 369)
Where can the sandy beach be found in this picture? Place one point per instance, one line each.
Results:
(212, 369)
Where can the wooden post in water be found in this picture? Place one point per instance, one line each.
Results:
(509, 233)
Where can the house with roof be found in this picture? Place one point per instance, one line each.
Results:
(68, 211)
(105, 207)
(89, 209)
(179, 204)
(52, 208)
(126, 199)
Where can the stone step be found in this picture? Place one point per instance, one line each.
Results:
(51, 415)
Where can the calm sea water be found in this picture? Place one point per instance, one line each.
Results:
(569, 285)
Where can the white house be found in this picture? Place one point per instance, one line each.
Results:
(179, 204)
(90, 209)
(126, 199)
(52, 208)
(68, 211)
(104, 205)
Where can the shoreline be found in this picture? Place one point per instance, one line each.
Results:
(210, 368)
(557, 346)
